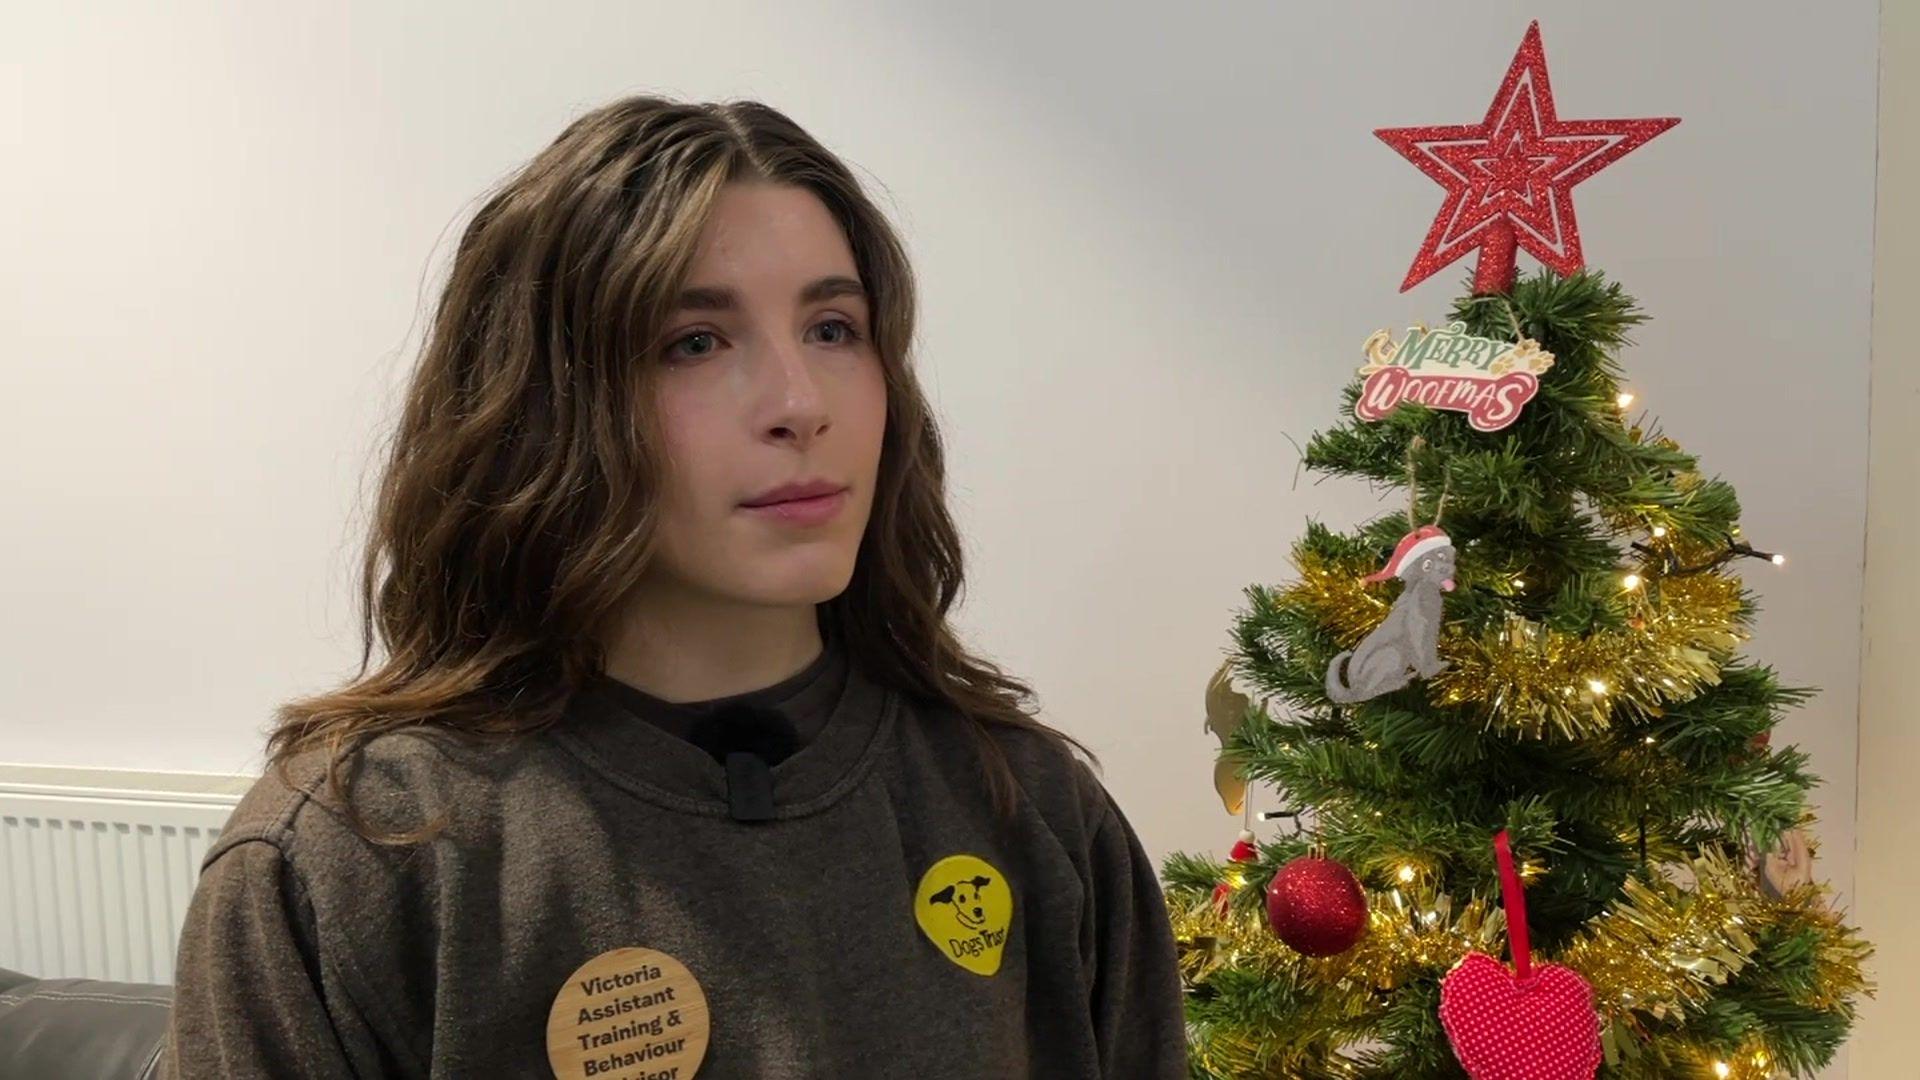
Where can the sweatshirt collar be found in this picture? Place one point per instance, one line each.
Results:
(806, 698)
(653, 763)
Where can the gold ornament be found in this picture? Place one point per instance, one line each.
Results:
(1226, 712)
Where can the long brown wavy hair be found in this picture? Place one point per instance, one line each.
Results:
(517, 499)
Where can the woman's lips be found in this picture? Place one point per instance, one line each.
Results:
(815, 511)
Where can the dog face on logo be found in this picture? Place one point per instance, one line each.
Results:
(964, 895)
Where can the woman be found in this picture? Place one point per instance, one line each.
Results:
(673, 763)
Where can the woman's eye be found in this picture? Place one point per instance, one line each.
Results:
(678, 348)
(847, 333)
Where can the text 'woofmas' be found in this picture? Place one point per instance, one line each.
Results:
(1485, 378)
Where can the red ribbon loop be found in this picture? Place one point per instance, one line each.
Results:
(1512, 892)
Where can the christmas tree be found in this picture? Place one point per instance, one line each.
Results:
(1539, 645)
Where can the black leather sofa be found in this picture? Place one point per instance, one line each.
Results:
(80, 1029)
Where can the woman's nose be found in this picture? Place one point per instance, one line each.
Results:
(801, 399)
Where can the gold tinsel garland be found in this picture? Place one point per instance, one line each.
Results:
(1402, 942)
(1527, 678)
(1659, 952)
(1663, 948)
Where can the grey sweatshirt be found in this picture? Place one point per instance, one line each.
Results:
(826, 941)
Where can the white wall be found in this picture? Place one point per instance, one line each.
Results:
(1151, 240)
(1889, 874)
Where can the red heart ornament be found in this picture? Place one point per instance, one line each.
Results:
(1503, 1028)
(1526, 1024)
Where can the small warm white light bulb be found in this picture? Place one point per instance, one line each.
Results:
(1625, 399)
(1519, 583)
(1406, 873)
(1722, 1069)
(1659, 531)
(1649, 740)
(1631, 581)
(1596, 686)
(1779, 560)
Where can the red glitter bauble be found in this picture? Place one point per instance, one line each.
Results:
(1316, 906)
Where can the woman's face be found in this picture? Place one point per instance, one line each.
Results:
(768, 376)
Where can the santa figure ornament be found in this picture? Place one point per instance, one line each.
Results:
(1243, 851)
(1531, 1023)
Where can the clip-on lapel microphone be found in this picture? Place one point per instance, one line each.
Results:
(748, 740)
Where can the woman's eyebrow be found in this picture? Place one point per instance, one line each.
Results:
(721, 298)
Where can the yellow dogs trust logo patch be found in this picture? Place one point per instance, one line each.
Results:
(965, 906)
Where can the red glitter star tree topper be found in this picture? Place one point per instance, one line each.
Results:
(1510, 178)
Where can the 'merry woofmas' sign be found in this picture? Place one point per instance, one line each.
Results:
(1485, 378)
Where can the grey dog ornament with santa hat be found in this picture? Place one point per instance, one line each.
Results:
(1407, 641)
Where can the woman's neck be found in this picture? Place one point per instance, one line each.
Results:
(697, 651)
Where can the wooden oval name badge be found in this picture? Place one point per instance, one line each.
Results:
(628, 1014)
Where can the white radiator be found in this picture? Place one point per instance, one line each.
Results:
(97, 865)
